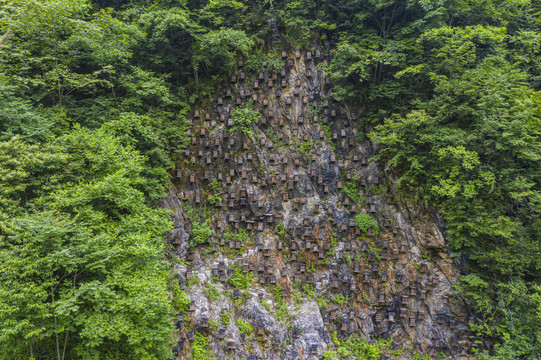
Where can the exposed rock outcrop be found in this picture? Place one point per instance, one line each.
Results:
(293, 186)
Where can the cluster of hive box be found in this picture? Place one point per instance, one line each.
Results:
(266, 180)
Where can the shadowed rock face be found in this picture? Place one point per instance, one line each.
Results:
(305, 150)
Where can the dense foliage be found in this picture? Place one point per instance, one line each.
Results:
(81, 251)
(92, 105)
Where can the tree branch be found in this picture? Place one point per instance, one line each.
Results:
(5, 37)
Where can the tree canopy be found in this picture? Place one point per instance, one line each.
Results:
(93, 100)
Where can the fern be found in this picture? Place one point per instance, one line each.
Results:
(239, 280)
(244, 326)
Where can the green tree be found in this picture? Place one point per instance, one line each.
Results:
(471, 152)
(215, 51)
(82, 272)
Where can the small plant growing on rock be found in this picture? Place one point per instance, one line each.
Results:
(306, 147)
(181, 301)
(347, 257)
(201, 233)
(213, 324)
(323, 262)
(334, 336)
(215, 198)
(282, 312)
(239, 280)
(309, 292)
(274, 63)
(321, 302)
(243, 118)
(241, 235)
(193, 281)
(315, 108)
(364, 222)
(351, 191)
(278, 294)
(340, 299)
(281, 229)
(244, 326)
(226, 319)
(359, 348)
(330, 355)
(328, 135)
(212, 292)
(200, 348)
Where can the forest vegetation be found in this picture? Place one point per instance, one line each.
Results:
(94, 96)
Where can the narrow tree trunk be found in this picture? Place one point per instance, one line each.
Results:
(5, 37)
(113, 90)
(58, 83)
(56, 338)
(65, 346)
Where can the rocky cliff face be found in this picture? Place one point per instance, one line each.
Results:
(289, 198)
